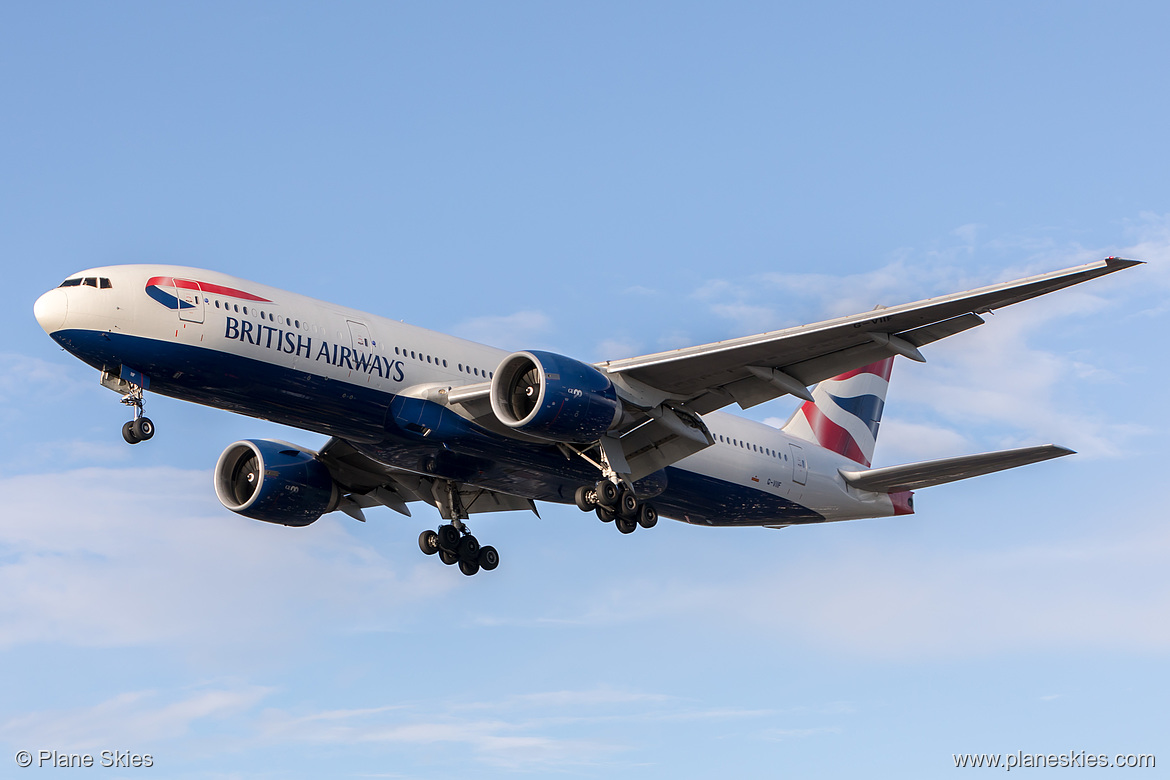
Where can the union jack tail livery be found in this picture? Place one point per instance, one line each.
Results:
(845, 412)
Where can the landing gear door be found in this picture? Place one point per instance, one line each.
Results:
(360, 335)
(190, 296)
(799, 465)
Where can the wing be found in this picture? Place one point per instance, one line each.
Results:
(666, 393)
(914, 476)
(369, 483)
(754, 369)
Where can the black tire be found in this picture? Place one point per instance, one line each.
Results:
(607, 493)
(143, 428)
(647, 516)
(447, 557)
(468, 549)
(469, 568)
(582, 500)
(428, 542)
(488, 558)
(129, 435)
(628, 506)
(605, 514)
(626, 525)
(448, 538)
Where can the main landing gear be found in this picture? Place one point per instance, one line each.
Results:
(457, 545)
(140, 428)
(453, 542)
(616, 504)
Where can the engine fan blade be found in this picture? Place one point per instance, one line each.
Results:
(525, 393)
(246, 478)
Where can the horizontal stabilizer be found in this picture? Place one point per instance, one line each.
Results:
(913, 476)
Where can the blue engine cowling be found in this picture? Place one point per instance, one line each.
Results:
(275, 482)
(554, 397)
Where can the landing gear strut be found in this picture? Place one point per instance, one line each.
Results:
(140, 428)
(454, 543)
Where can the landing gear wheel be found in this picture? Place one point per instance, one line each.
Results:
(607, 493)
(468, 551)
(625, 524)
(469, 568)
(488, 558)
(143, 428)
(605, 514)
(628, 505)
(428, 542)
(128, 433)
(647, 516)
(448, 557)
(448, 538)
(582, 500)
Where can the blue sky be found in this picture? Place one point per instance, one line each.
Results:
(602, 180)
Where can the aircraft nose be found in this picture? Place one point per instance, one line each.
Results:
(50, 310)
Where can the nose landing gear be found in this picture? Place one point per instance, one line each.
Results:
(140, 428)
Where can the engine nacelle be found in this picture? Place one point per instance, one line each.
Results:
(275, 482)
(554, 397)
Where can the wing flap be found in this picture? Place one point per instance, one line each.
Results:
(369, 483)
(914, 476)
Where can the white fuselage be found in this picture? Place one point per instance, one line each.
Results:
(337, 371)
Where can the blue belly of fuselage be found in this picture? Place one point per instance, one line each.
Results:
(407, 433)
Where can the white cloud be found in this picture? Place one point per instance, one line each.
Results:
(614, 349)
(496, 741)
(105, 557)
(21, 372)
(511, 331)
(900, 441)
(903, 601)
(133, 718)
(994, 377)
(534, 731)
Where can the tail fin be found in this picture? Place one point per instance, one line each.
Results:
(845, 412)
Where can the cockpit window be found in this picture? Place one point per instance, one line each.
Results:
(101, 282)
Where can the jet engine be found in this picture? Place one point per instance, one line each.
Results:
(554, 397)
(275, 482)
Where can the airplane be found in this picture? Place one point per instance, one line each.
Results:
(414, 415)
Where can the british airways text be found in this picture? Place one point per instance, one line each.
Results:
(292, 343)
